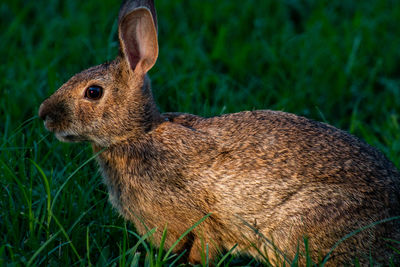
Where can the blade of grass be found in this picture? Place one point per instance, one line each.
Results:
(226, 255)
(159, 262)
(26, 197)
(42, 247)
(17, 130)
(71, 175)
(87, 246)
(67, 237)
(124, 241)
(52, 251)
(269, 242)
(47, 190)
(135, 260)
(83, 214)
(139, 242)
(177, 258)
(356, 232)
(295, 261)
(184, 234)
(307, 251)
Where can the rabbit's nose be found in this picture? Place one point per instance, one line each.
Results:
(43, 111)
(52, 110)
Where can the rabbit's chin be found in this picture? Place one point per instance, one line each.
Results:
(69, 138)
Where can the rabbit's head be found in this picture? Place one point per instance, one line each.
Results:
(112, 101)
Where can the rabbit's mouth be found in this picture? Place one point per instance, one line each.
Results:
(68, 137)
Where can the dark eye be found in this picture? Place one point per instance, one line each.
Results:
(94, 92)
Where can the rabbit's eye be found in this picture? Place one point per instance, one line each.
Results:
(94, 92)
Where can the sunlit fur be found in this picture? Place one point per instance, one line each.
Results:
(260, 174)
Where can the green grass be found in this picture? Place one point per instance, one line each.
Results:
(333, 61)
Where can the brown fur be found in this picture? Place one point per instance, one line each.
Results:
(261, 174)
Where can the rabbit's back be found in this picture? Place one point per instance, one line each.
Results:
(289, 145)
(289, 177)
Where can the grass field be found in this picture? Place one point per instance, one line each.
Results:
(333, 61)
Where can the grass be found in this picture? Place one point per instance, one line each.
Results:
(333, 61)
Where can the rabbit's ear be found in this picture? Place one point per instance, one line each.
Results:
(138, 35)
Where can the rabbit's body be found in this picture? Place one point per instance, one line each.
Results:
(262, 174)
(284, 175)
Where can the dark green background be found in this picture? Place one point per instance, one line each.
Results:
(333, 61)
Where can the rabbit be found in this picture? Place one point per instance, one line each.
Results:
(267, 179)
